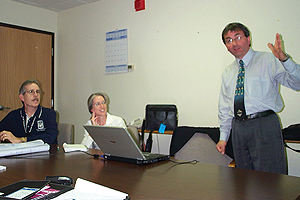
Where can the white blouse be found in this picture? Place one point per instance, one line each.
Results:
(111, 120)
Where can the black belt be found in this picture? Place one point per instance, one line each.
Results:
(257, 115)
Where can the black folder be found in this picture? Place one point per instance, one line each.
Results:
(29, 189)
(24, 189)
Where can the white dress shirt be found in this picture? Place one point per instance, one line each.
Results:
(263, 74)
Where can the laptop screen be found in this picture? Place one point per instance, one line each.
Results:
(115, 141)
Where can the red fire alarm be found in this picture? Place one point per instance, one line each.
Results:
(139, 5)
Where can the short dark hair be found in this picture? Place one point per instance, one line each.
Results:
(91, 98)
(22, 89)
(235, 26)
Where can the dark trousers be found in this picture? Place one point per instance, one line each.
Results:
(258, 144)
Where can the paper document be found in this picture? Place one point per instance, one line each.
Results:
(9, 149)
(2, 168)
(74, 147)
(88, 190)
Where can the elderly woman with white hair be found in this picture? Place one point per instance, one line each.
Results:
(97, 105)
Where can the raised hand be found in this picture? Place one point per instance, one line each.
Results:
(277, 48)
(94, 119)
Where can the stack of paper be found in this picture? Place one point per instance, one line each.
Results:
(9, 149)
(88, 190)
(74, 147)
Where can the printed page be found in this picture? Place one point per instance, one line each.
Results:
(74, 147)
(88, 190)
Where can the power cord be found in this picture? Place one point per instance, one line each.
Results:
(33, 155)
(184, 162)
(95, 156)
(158, 149)
(287, 146)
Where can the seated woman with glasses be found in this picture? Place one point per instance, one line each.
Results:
(97, 105)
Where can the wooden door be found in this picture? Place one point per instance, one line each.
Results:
(24, 54)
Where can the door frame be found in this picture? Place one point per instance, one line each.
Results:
(52, 58)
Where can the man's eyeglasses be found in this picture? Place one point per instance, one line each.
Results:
(32, 92)
(98, 103)
(230, 40)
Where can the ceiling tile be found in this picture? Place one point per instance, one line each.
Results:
(55, 5)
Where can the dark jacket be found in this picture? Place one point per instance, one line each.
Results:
(42, 125)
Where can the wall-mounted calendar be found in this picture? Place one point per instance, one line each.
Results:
(116, 52)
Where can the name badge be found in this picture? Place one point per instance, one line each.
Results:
(162, 128)
(40, 125)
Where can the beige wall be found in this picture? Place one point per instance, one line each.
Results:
(175, 46)
(27, 16)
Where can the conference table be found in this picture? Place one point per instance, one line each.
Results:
(172, 179)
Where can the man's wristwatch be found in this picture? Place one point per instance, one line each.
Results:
(287, 57)
(23, 139)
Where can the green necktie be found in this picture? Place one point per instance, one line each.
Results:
(239, 105)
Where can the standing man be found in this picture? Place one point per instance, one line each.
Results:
(248, 102)
(32, 121)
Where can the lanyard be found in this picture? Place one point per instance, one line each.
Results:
(25, 125)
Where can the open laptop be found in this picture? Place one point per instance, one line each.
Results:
(117, 144)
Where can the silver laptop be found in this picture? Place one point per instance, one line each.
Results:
(117, 144)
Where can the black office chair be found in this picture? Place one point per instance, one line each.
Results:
(157, 117)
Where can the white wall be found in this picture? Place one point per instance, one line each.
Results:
(177, 52)
(175, 46)
(27, 16)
